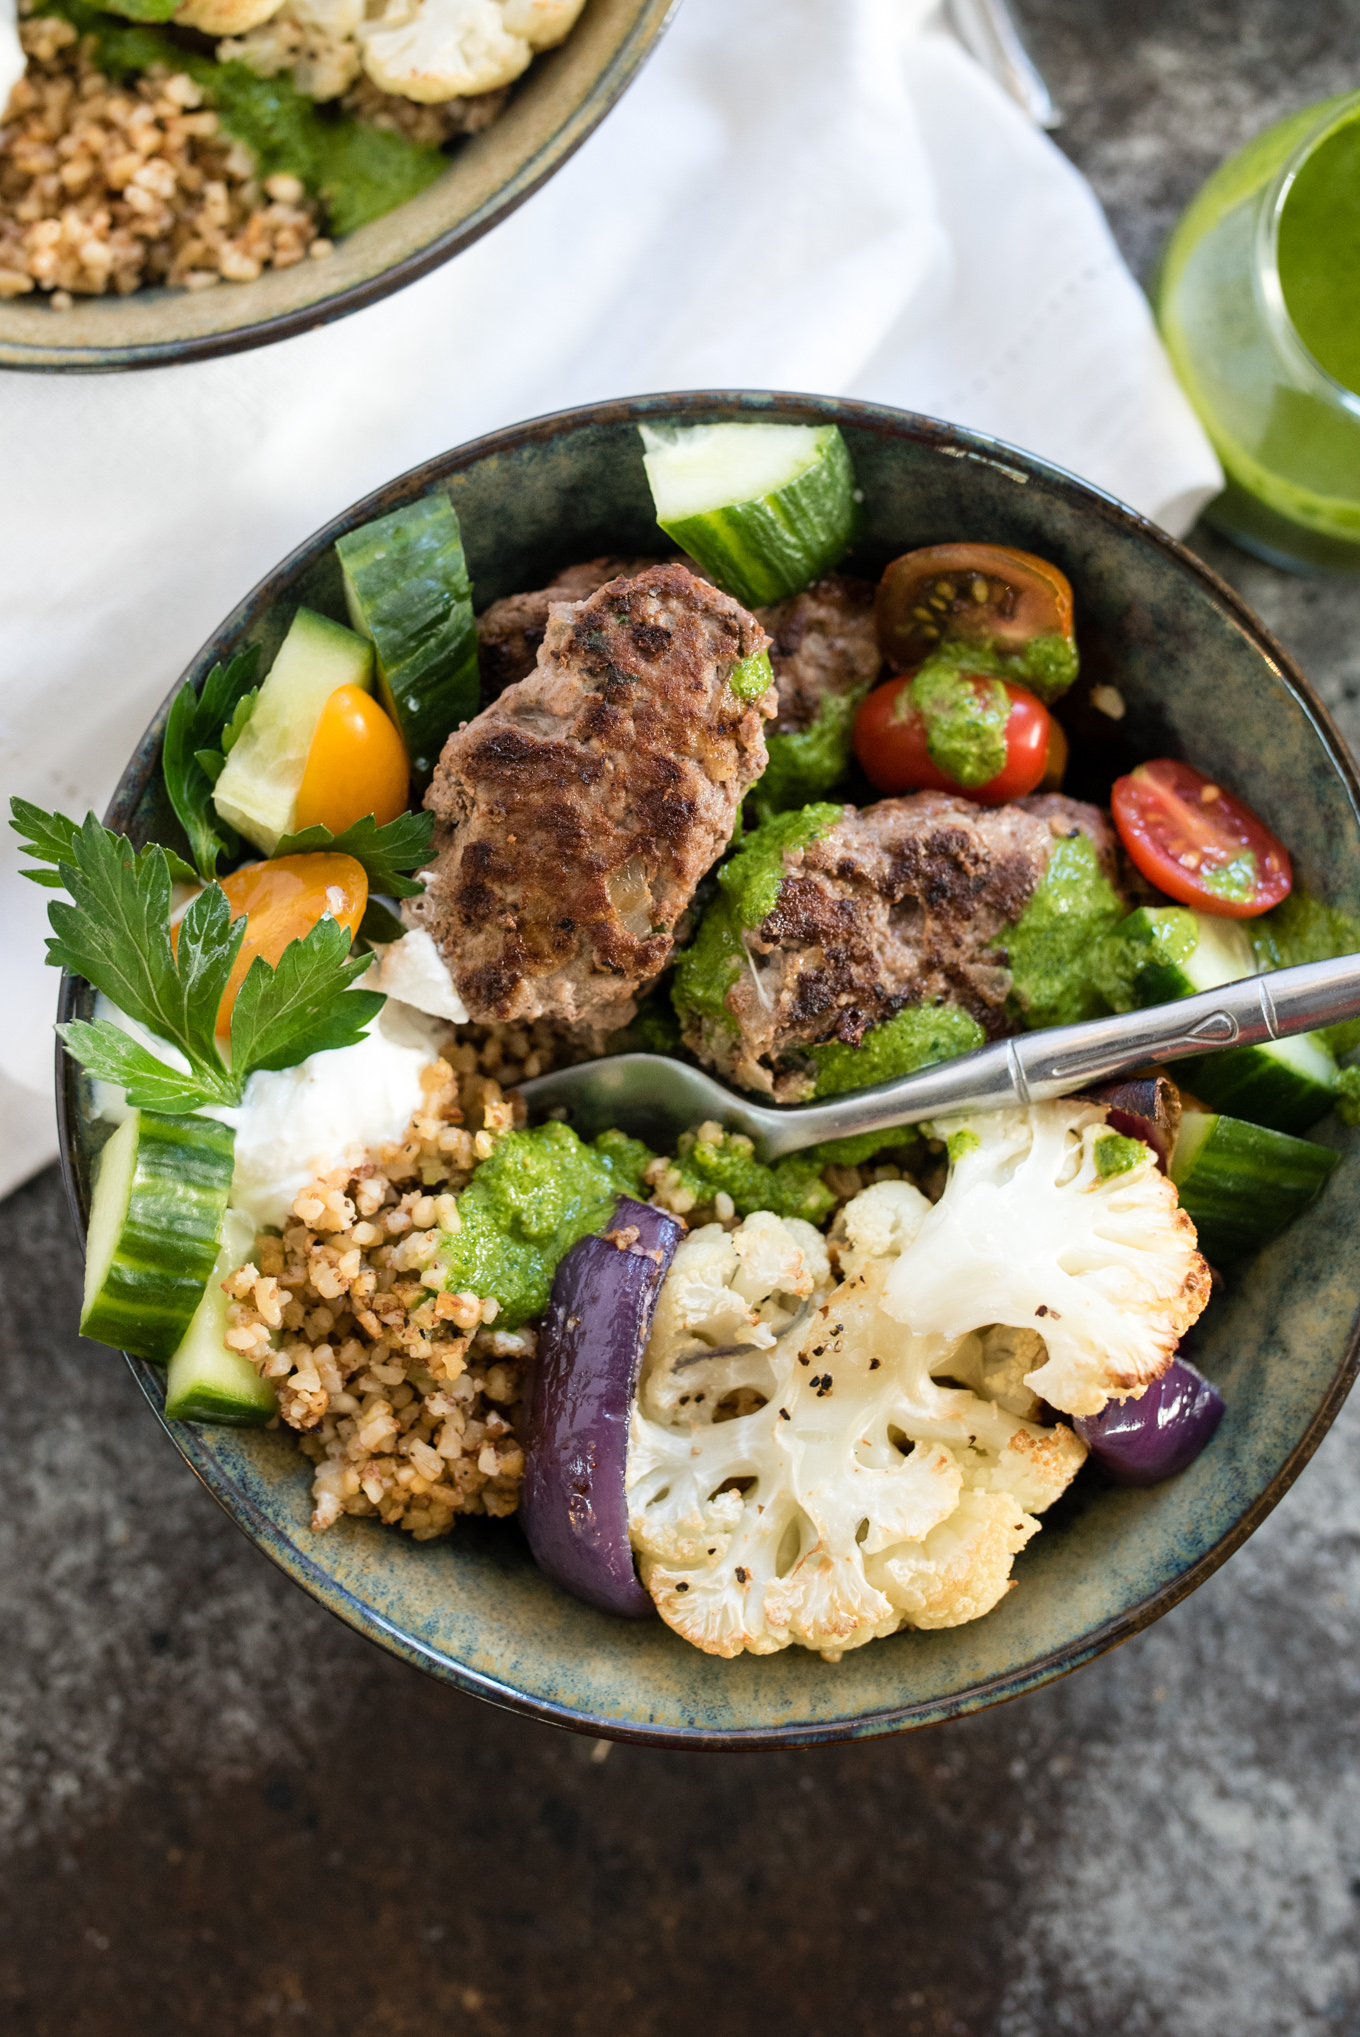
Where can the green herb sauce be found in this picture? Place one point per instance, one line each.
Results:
(807, 764)
(912, 1038)
(1302, 928)
(1150, 938)
(1348, 1095)
(965, 716)
(525, 1208)
(959, 1143)
(1050, 945)
(752, 677)
(748, 885)
(1114, 1154)
(1234, 881)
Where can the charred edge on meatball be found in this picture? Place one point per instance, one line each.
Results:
(900, 903)
(577, 813)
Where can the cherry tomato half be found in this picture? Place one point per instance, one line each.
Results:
(890, 742)
(283, 900)
(356, 765)
(968, 594)
(1197, 843)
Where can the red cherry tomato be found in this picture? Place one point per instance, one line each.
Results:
(1197, 843)
(890, 742)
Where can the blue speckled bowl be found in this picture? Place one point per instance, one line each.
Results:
(1201, 678)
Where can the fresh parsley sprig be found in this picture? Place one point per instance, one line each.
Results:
(199, 733)
(115, 932)
(48, 838)
(386, 853)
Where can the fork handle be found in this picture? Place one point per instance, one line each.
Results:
(1036, 1067)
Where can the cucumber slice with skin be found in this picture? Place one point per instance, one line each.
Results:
(407, 590)
(1161, 953)
(160, 1195)
(207, 1382)
(1241, 1184)
(258, 789)
(765, 508)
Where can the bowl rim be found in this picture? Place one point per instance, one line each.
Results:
(638, 43)
(701, 406)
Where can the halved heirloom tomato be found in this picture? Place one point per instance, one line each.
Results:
(357, 765)
(1197, 843)
(282, 901)
(968, 594)
(890, 742)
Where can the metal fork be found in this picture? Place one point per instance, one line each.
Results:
(654, 1098)
(988, 31)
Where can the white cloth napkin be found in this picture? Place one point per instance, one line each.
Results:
(793, 195)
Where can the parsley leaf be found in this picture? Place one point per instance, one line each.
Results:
(199, 731)
(404, 844)
(48, 836)
(296, 1002)
(115, 932)
(105, 1050)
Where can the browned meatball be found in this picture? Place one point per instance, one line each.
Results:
(900, 903)
(510, 631)
(576, 815)
(822, 642)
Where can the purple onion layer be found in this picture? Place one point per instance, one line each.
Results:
(1141, 1442)
(572, 1506)
(1148, 1109)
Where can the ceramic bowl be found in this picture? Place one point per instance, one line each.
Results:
(1200, 677)
(565, 95)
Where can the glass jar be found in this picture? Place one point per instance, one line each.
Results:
(1286, 429)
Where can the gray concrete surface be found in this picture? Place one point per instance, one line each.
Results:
(220, 1812)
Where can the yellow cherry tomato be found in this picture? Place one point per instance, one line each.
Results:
(282, 901)
(357, 764)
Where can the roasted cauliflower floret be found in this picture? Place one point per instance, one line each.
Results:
(796, 1472)
(449, 49)
(1051, 1223)
(314, 39)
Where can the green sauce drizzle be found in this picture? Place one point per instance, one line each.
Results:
(965, 716)
(1302, 928)
(1114, 1154)
(959, 1143)
(807, 764)
(1050, 945)
(752, 677)
(912, 1038)
(526, 1206)
(748, 886)
(1234, 881)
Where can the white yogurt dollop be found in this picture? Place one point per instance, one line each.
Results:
(295, 1123)
(413, 970)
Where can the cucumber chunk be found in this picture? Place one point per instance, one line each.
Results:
(1241, 1184)
(207, 1382)
(160, 1195)
(1286, 1084)
(1158, 954)
(407, 590)
(765, 508)
(258, 789)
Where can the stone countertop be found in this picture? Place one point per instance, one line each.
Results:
(222, 1812)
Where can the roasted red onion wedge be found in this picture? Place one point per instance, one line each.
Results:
(1141, 1442)
(572, 1506)
(1148, 1109)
